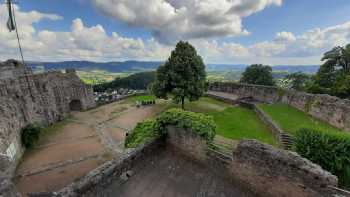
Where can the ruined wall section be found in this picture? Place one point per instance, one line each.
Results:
(35, 98)
(328, 108)
(274, 172)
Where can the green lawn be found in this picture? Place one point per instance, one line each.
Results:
(142, 98)
(233, 122)
(291, 119)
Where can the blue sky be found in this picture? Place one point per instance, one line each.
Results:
(236, 31)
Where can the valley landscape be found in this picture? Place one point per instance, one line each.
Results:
(96, 73)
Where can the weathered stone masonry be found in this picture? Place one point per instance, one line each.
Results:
(262, 169)
(330, 109)
(35, 98)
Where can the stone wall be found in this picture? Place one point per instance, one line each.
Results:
(273, 172)
(259, 168)
(35, 98)
(189, 143)
(95, 181)
(324, 107)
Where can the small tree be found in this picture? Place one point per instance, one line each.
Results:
(258, 74)
(183, 75)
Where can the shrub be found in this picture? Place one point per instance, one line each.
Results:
(328, 149)
(198, 123)
(30, 135)
(143, 132)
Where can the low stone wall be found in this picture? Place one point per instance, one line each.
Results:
(277, 131)
(260, 168)
(97, 179)
(190, 144)
(273, 172)
(330, 109)
(274, 128)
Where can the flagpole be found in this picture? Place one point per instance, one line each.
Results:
(16, 29)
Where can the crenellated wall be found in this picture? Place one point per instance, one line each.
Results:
(35, 98)
(324, 107)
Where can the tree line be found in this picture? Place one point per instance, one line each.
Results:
(332, 78)
(183, 76)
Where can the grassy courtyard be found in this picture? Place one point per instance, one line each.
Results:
(291, 119)
(233, 122)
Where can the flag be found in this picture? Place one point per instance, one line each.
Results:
(10, 23)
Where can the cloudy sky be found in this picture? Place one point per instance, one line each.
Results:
(223, 31)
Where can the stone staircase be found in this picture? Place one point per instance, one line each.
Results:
(222, 149)
(287, 141)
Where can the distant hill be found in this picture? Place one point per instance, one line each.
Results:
(129, 66)
(137, 81)
(280, 68)
(106, 66)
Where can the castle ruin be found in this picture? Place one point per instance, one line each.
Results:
(27, 98)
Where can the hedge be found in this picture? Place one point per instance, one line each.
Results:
(331, 150)
(200, 124)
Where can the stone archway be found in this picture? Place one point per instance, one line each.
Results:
(75, 105)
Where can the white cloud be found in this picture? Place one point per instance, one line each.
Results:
(285, 48)
(171, 20)
(285, 37)
(94, 43)
(81, 42)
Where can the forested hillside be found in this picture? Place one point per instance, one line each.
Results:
(137, 81)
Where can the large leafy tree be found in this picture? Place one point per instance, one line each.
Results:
(298, 80)
(333, 77)
(258, 74)
(183, 75)
(339, 58)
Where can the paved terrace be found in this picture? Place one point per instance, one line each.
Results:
(171, 175)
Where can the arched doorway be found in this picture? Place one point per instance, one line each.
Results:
(75, 105)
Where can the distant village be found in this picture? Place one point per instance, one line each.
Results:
(115, 95)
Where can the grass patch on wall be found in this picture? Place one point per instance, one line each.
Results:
(291, 119)
(143, 132)
(198, 123)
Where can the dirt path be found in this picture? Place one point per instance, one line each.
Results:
(76, 146)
